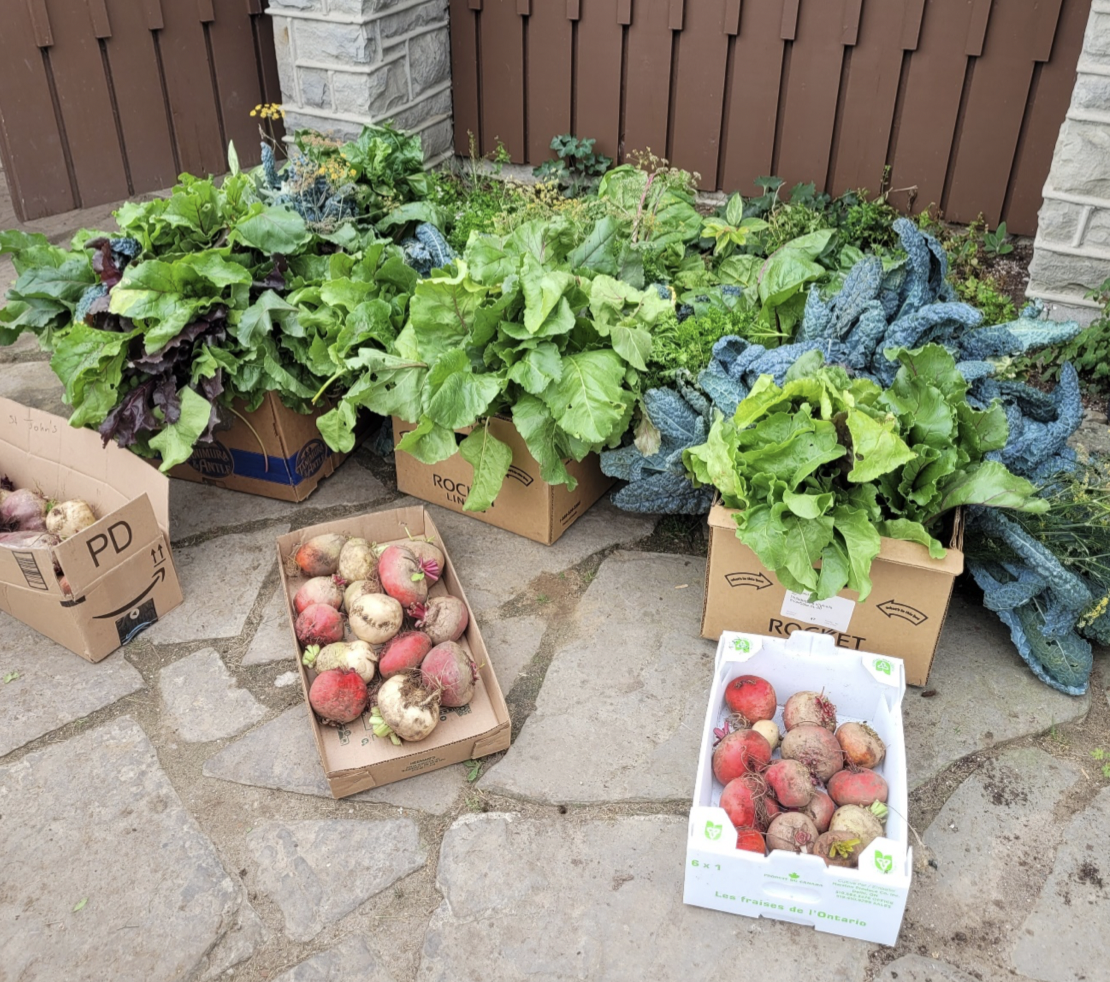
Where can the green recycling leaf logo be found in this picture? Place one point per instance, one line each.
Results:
(742, 644)
(882, 665)
(884, 863)
(713, 830)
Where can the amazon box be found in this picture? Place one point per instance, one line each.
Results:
(98, 589)
(526, 504)
(273, 451)
(902, 617)
(353, 758)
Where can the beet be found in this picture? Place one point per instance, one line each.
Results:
(815, 747)
(338, 695)
(838, 849)
(751, 840)
(319, 624)
(443, 619)
(792, 831)
(812, 708)
(318, 590)
(858, 820)
(449, 667)
(429, 556)
(739, 751)
(820, 809)
(24, 510)
(401, 576)
(356, 561)
(751, 697)
(409, 709)
(739, 802)
(29, 540)
(858, 786)
(319, 556)
(862, 746)
(403, 653)
(791, 782)
(360, 588)
(375, 618)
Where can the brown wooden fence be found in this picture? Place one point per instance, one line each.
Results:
(961, 99)
(103, 99)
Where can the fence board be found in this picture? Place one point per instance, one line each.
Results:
(748, 146)
(237, 81)
(809, 108)
(464, 74)
(597, 109)
(138, 88)
(549, 62)
(648, 78)
(264, 44)
(502, 77)
(701, 57)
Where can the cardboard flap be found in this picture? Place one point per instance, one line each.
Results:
(100, 548)
(29, 569)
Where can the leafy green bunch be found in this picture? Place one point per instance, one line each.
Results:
(824, 466)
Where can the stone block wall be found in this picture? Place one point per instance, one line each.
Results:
(1072, 249)
(345, 63)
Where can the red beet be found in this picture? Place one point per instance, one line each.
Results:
(402, 577)
(338, 696)
(820, 809)
(429, 556)
(24, 510)
(318, 590)
(792, 831)
(809, 708)
(751, 697)
(403, 652)
(751, 840)
(319, 624)
(319, 556)
(791, 782)
(740, 751)
(862, 746)
(858, 787)
(443, 619)
(815, 747)
(450, 669)
(739, 802)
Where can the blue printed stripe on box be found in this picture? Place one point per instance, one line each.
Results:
(217, 462)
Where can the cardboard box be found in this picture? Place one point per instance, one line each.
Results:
(273, 451)
(902, 617)
(865, 903)
(526, 505)
(120, 570)
(353, 758)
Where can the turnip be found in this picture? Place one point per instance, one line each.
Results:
(69, 517)
(751, 840)
(740, 751)
(319, 624)
(863, 823)
(791, 782)
(862, 746)
(767, 729)
(793, 832)
(319, 556)
(815, 747)
(838, 849)
(812, 708)
(820, 808)
(401, 576)
(356, 561)
(355, 655)
(318, 590)
(403, 652)
(442, 618)
(857, 786)
(29, 540)
(24, 510)
(360, 588)
(407, 707)
(375, 618)
(339, 696)
(429, 556)
(751, 697)
(449, 667)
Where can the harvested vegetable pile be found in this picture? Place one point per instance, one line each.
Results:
(30, 520)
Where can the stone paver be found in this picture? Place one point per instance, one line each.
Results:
(318, 872)
(25, 344)
(281, 754)
(512, 642)
(220, 579)
(348, 961)
(1065, 937)
(202, 700)
(620, 673)
(273, 640)
(918, 968)
(605, 904)
(33, 383)
(496, 565)
(197, 508)
(94, 822)
(53, 686)
(984, 695)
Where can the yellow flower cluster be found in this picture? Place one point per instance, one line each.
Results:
(1094, 613)
(335, 169)
(269, 110)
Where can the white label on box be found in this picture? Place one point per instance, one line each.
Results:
(834, 613)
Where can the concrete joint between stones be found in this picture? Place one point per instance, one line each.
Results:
(1088, 116)
(1086, 252)
(336, 18)
(1052, 194)
(399, 39)
(1086, 67)
(345, 69)
(1081, 225)
(1061, 298)
(364, 119)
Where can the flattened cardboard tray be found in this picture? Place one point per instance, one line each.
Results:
(353, 758)
(120, 570)
(865, 903)
(902, 617)
(273, 452)
(526, 504)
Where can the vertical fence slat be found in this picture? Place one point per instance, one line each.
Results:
(40, 23)
(98, 14)
(231, 38)
(809, 108)
(86, 106)
(753, 102)
(933, 86)
(649, 78)
(34, 161)
(271, 80)
(464, 74)
(598, 86)
(549, 64)
(1042, 127)
(502, 72)
(699, 90)
(142, 110)
(869, 98)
